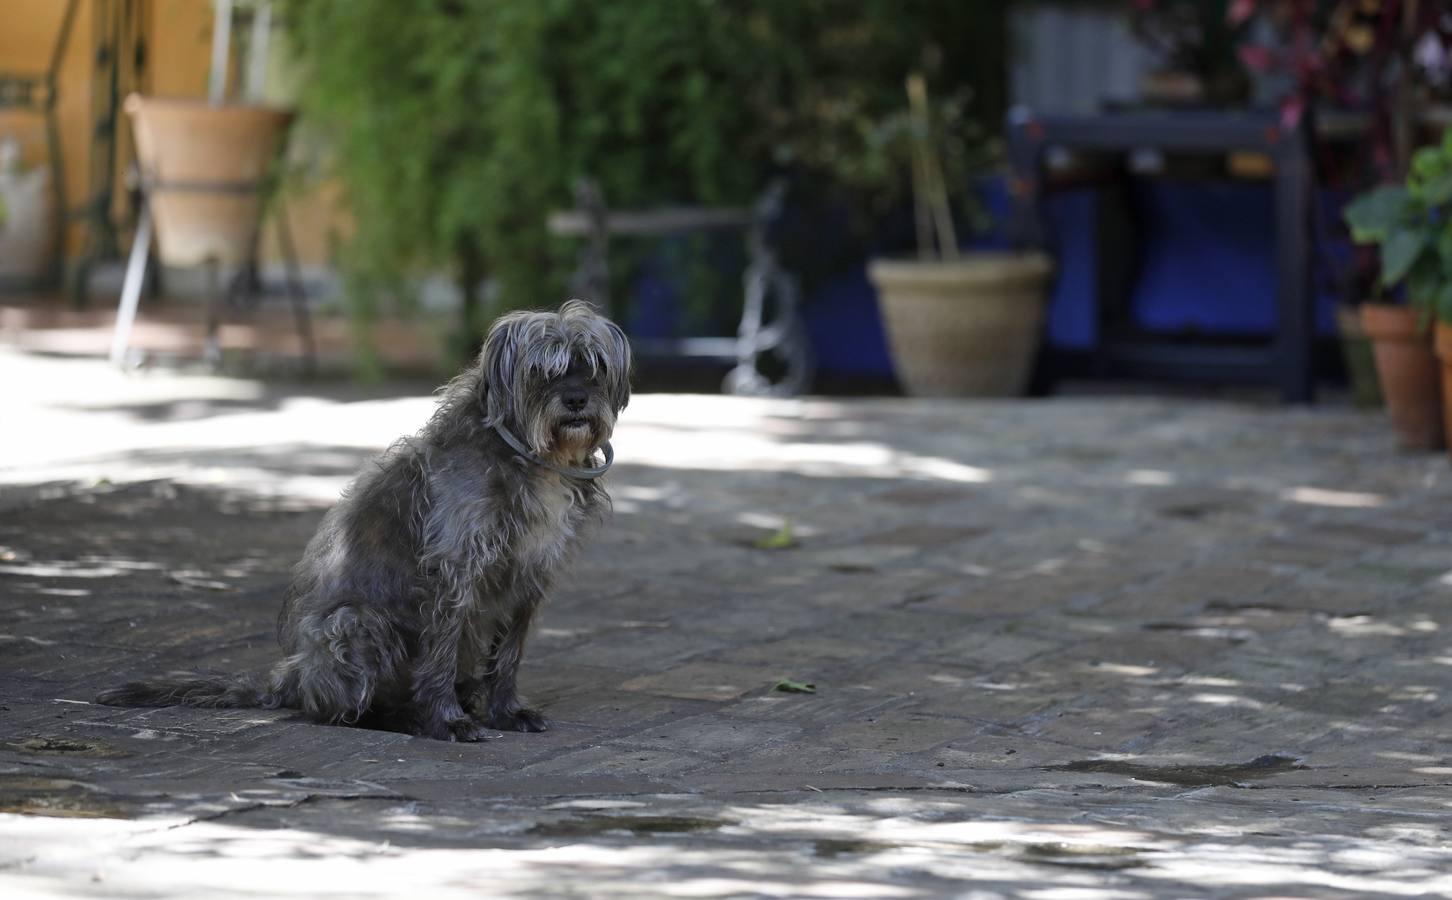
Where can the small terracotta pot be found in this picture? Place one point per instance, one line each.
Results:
(1444, 353)
(1409, 374)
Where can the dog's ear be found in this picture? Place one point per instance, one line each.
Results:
(497, 370)
(618, 350)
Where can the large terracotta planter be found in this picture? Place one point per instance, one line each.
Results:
(1444, 354)
(963, 328)
(206, 167)
(1408, 370)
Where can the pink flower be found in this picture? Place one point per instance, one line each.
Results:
(1239, 11)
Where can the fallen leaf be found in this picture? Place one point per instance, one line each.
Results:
(786, 685)
(782, 540)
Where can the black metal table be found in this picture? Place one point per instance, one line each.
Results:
(1286, 360)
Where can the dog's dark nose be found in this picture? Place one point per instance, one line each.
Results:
(574, 399)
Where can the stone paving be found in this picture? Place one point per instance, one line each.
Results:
(1074, 648)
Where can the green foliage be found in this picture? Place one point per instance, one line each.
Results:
(429, 118)
(1412, 225)
(457, 125)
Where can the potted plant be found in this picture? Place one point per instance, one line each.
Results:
(1411, 224)
(205, 164)
(1366, 65)
(957, 324)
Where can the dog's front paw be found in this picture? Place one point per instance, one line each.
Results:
(463, 728)
(521, 719)
(470, 730)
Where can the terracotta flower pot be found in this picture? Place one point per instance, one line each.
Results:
(207, 166)
(1444, 354)
(963, 328)
(1408, 372)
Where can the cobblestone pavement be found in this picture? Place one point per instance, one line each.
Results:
(1075, 648)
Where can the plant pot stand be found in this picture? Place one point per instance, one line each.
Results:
(239, 288)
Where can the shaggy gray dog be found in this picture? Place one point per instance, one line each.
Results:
(410, 607)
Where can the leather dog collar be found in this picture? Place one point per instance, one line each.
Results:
(569, 472)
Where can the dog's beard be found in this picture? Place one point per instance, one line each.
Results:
(567, 437)
(576, 440)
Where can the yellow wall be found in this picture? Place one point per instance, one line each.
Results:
(180, 34)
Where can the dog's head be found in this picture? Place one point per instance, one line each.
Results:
(557, 379)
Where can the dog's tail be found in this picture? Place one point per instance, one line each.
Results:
(209, 691)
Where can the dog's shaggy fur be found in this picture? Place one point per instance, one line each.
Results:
(410, 606)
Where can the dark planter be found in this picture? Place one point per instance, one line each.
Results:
(1359, 358)
(1444, 354)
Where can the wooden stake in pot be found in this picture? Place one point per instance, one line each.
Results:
(930, 190)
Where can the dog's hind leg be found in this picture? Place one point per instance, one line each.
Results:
(344, 659)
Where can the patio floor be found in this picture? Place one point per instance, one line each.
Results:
(1075, 648)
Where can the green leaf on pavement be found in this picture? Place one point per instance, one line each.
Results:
(781, 540)
(786, 685)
